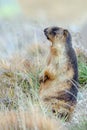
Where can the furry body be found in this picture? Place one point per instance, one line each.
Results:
(58, 88)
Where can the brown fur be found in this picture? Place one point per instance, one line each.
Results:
(57, 76)
(28, 121)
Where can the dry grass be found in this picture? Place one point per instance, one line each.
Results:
(31, 119)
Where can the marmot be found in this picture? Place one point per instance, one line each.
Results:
(58, 82)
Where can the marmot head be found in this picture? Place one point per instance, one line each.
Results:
(57, 34)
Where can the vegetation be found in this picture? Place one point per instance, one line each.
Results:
(82, 72)
(81, 126)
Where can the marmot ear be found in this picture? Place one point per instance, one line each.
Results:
(65, 32)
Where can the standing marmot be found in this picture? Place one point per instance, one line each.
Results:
(58, 88)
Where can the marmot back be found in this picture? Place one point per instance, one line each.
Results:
(58, 87)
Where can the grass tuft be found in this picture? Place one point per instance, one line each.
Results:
(82, 67)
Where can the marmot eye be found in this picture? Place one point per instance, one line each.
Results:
(53, 32)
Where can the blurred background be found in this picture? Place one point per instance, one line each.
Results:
(66, 11)
(18, 17)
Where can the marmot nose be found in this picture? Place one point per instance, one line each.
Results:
(45, 30)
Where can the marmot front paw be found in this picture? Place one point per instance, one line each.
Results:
(48, 74)
(43, 79)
